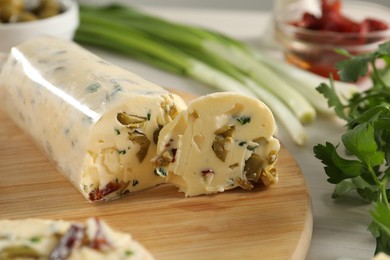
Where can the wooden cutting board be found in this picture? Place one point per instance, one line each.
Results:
(265, 223)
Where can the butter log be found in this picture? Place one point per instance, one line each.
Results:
(58, 239)
(97, 123)
(222, 141)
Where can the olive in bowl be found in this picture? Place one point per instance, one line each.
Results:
(25, 19)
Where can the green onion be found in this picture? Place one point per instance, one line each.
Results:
(306, 82)
(105, 32)
(214, 45)
(201, 54)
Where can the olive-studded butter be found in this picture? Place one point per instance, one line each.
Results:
(58, 239)
(97, 123)
(222, 141)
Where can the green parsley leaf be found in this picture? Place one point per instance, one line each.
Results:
(354, 68)
(343, 188)
(336, 167)
(381, 228)
(343, 52)
(384, 49)
(367, 139)
(334, 102)
(360, 141)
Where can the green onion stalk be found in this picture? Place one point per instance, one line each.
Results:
(203, 55)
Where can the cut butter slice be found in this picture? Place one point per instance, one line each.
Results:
(96, 122)
(58, 239)
(222, 141)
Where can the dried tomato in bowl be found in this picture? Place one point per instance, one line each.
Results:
(333, 20)
(311, 39)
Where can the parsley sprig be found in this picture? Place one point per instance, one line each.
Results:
(365, 165)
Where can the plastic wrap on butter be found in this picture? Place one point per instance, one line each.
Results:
(97, 123)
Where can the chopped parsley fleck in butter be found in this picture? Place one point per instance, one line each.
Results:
(244, 120)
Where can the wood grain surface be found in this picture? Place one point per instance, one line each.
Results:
(265, 223)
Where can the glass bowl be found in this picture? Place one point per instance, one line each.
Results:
(62, 26)
(315, 50)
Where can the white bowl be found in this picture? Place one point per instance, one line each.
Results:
(61, 26)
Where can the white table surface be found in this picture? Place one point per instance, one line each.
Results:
(340, 227)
